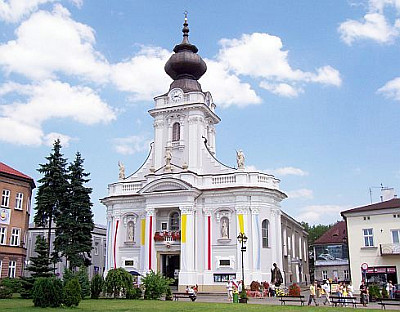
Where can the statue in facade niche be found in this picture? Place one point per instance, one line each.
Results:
(121, 174)
(224, 229)
(168, 157)
(130, 232)
(240, 159)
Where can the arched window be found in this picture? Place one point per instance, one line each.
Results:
(265, 233)
(174, 221)
(176, 131)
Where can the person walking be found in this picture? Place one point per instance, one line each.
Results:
(325, 293)
(229, 288)
(389, 289)
(363, 294)
(313, 289)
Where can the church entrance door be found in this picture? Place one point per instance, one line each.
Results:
(170, 266)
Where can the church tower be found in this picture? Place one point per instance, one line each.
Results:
(184, 117)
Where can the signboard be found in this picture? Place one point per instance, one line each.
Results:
(5, 216)
(364, 266)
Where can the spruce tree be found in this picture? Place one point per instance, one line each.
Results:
(40, 264)
(75, 223)
(51, 195)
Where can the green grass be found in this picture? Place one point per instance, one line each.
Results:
(165, 306)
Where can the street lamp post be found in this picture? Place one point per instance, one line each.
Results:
(242, 238)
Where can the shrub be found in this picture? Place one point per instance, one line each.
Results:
(26, 287)
(14, 284)
(72, 293)
(134, 293)
(47, 292)
(117, 282)
(243, 293)
(294, 290)
(374, 292)
(96, 286)
(255, 286)
(5, 292)
(155, 285)
(168, 294)
(83, 278)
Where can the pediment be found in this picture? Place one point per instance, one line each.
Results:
(166, 185)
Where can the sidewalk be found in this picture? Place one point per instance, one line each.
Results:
(223, 298)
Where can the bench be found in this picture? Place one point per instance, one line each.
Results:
(391, 302)
(335, 300)
(178, 295)
(283, 299)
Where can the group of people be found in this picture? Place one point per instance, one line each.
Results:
(192, 291)
(317, 290)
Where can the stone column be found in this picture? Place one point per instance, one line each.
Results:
(149, 255)
(255, 242)
(109, 247)
(186, 275)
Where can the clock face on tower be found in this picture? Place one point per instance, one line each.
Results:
(176, 95)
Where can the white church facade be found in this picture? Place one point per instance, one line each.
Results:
(180, 213)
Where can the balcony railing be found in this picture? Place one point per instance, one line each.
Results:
(390, 249)
(167, 236)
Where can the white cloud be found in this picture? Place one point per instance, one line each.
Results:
(143, 75)
(14, 10)
(227, 89)
(49, 139)
(51, 42)
(320, 213)
(47, 100)
(301, 193)
(131, 145)
(284, 171)
(374, 26)
(260, 55)
(282, 89)
(391, 89)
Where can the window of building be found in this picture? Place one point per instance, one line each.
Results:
(174, 221)
(15, 237)
(367, 218)
(3, 235)
(164, 226)
(265, 233)
(12, 267)
(224, 262)
(346, 275)
(324, 275)
(1, 266)
(396, 236)
(5, 198)
(368, 238)
(176, 131)
(18, 201)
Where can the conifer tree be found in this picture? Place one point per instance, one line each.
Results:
(75, 223)
(51, 195)
(40, 264)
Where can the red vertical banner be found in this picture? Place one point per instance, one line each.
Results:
(209, 243)
(150, 239)
(115, 245)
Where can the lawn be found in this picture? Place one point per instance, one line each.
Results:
(165, 306)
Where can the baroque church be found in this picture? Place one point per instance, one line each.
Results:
(181, 212)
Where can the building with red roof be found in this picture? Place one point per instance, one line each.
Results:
(331, 254)
(374, 242)
(16, 192)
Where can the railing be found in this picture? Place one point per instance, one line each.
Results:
(390, 249)
(224, 179)
(167, 236)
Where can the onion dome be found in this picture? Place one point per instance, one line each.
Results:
(185, 67)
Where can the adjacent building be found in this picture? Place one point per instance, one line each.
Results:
(373, 240)
(98, 255)
(16, 192)
(331, 260)
(180, 213)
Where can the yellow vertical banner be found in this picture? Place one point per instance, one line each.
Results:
(183, 227)
(143, 234)
(241, 223)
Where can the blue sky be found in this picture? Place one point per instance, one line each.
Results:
(309, 90)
